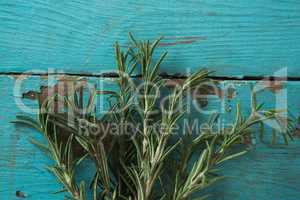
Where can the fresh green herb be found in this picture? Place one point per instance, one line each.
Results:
(144, 163)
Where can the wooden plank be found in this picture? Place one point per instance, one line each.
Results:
(22, 166)
(264, 173)
(234, 38)
(267, 172)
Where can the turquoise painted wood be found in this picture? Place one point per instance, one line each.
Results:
(22, 167)
(266, 172)
(234, 38)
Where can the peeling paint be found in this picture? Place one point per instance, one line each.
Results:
(273, 85)
(32, 95)
(206, 89)
(182, 40)
(170, 83)
(177, 43)
(19, 76)
(200, 93)
(297, 132)
(231, 93)
(44, 77)
(63, 87)
(185, 38)
(247, 140)
(20, 194)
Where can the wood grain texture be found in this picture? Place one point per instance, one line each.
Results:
(266, 172)
(22, 166)
(235, 38)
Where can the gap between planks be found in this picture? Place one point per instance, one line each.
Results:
(163, 75)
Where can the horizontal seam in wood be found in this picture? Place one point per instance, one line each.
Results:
(163, 75)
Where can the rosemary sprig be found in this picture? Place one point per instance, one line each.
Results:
(61, 152)
(142, 164)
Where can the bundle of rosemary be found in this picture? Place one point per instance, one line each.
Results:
(148, 161)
